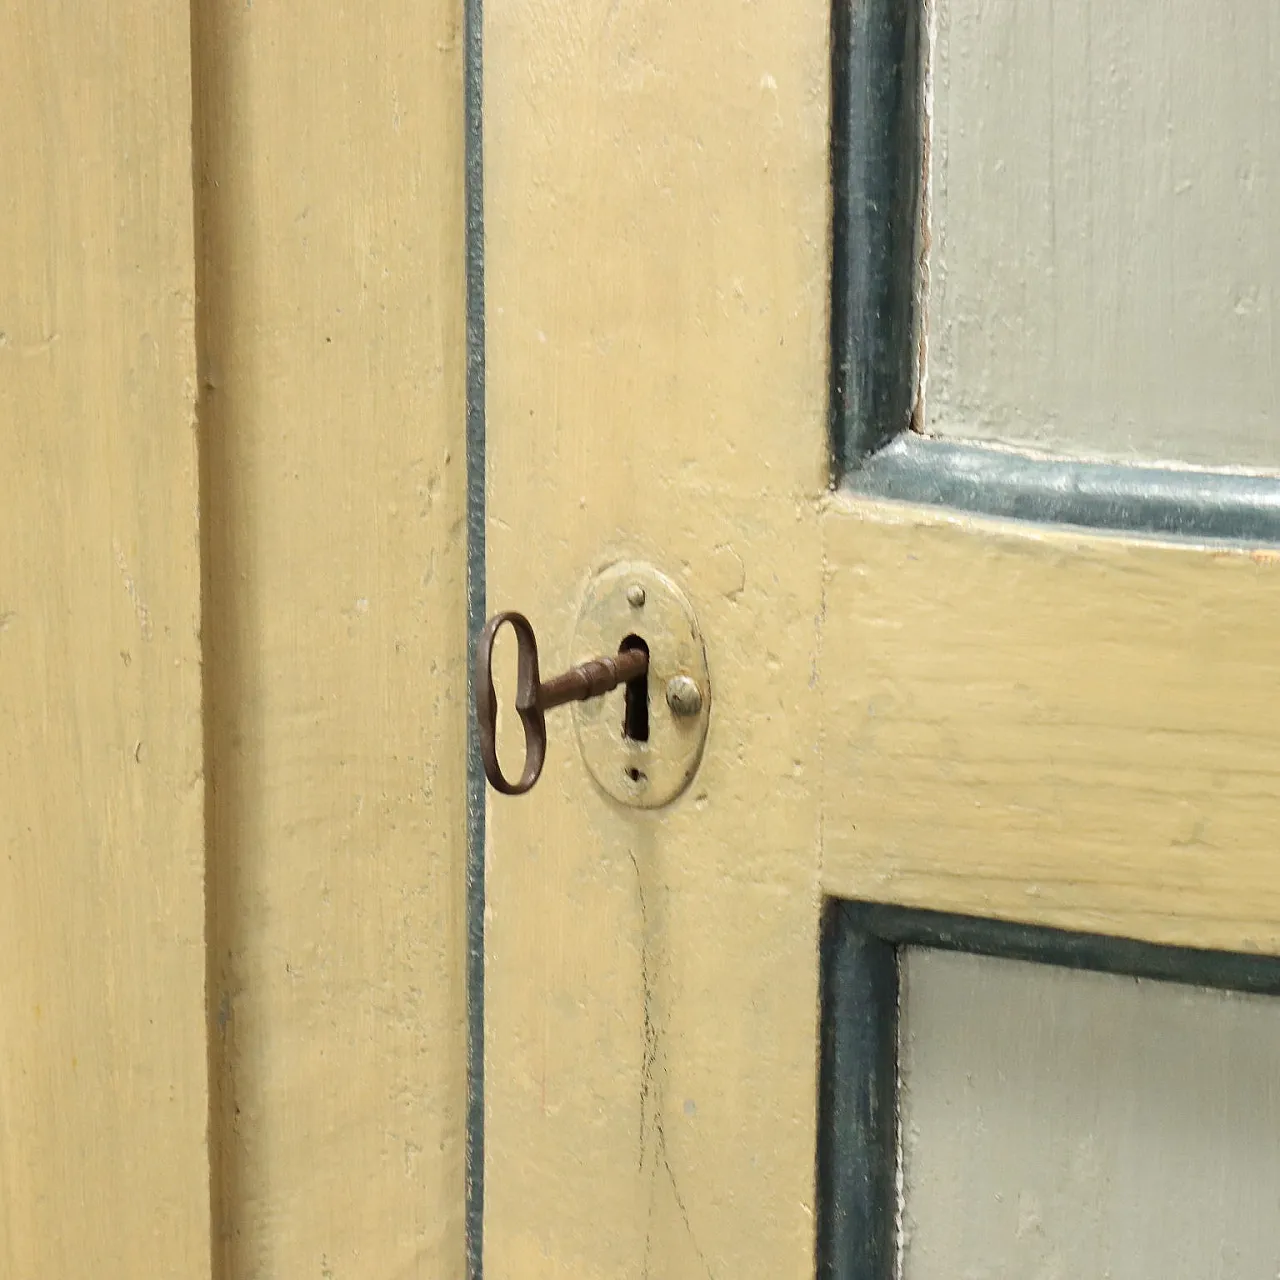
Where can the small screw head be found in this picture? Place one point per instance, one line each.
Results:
(683, 696)
(635, 596)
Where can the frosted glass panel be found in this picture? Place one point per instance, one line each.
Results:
(1105, 246)
(1064, 1124)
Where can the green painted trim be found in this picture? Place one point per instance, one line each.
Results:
(857, 1082)
(876, 163)
(1198, 505)
(1224, 970)
(474, 160)
(857, 1097)
(875, 182)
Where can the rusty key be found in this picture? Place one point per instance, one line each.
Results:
(590, 679)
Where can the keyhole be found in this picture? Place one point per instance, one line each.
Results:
(635, 710)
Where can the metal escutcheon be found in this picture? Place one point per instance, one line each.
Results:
(628, 601)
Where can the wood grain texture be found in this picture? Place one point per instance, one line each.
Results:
(656, 256)
(329, 158)
(103, 1099)
(1044, 725)
(1103, 267)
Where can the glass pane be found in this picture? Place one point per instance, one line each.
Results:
(1065, 1124)
(1104, 267)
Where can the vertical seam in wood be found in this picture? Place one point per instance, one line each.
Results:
(476, 604)
(219, 663)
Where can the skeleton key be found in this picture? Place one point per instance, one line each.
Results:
(534, 697)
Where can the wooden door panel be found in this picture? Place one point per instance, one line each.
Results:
(656, 386)
(1049, 725)
(1101, 267)
(909, 704)
(103, 1097)
(1079, 1122)
(330, 211)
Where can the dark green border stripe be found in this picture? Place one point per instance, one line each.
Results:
(875, 185)
(1226, 970)
(473, 96)
(877, 157)
(1202, 505)
(857, 1097)
(857, 1085)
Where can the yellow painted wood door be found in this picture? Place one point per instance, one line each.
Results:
(103, 1095)
(330, 266)
(232, 641)
(1061, 722)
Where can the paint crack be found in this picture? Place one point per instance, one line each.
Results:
(653, 1134)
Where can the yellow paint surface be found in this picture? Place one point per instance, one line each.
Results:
(908, 705)
(329, 170)
(656, 220)
(103, 1099)
(1052, 726)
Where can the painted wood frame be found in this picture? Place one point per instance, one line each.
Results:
(881, 253)
(329, 172)
(103, 1086)
(857, 1123)
(232, 641)
(930, 707)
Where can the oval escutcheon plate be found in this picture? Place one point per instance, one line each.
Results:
(644, 756)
